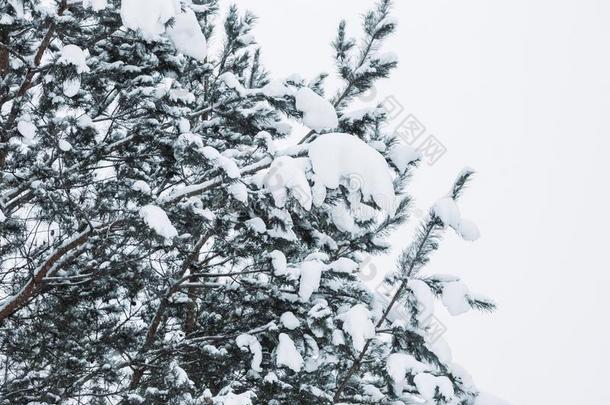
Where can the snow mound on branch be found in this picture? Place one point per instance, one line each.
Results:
(402, 155)
(287, 173)
(245, 398)
(158, 221)
(318, 113)
(228, 165)
(344, 159)
(357, 323)
(455, 298)
(239, 191)
(397, 366)
(311, 273)
(71, 87)
(257, 225)
(287, 354)
(141, 186)
(427, 384)
(251, 343)
(26, 129)
(278, 261)
(289, 320)
(95, 5)
(64, 145)
(448, 212)
(187, 36)
(73, 55)
(148, 16)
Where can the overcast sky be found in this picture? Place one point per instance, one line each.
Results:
(520, 91)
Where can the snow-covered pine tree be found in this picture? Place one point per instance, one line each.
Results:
(158, 247)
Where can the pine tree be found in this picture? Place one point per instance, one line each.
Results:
(158, 247)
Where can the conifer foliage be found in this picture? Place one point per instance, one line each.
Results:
(157, 246)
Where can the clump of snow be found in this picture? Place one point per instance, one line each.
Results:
(344, 159)
(427, 385)
(402, 155)
(148, 16)
(232, 82)
(245, 398)
(448, 212)
(141, 186)
(64, 145)
(287, 354)
(318, 113)
(278, 261)
(26, 129)
(275, 88)
(288, 174)
(2, 217)
(73, 55)
(257, 225)
(311, 272)
(424, 297)
(455, 298)
(228, 165)
(344, 265)
(239, 191)
(95, 5)
(289, 320)
(158, 221)
(251, 343)
(357, 323)
(84, 121)
(71, 86)
(187, 36)
(397, 366)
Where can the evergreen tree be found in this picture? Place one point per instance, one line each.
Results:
(158, 247)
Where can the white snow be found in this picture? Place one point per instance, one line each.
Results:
(73, 55)
(187, 36)
(447, 210)
(288, 174)
(71, 86)
(2, 217)
(343, 218)
(311, 272)
(239, 191)
(84, 121)
(95, 5)
(289, 320)
(228, 165)
(402, 155)
(424, 297)
(397, 366)
(287, 354)
(357, 323)
(26, 129)
(232, 82)
(344, 159)
(487, 399)
(251, 343)
(344, 265)
(275, 88)
(455, 297)
(245, 398)
(64, 145)
(468, 230)
(141, 186)
(257, 225)
(427, 384)
(148, 16)
(158, 221)
(278, 261)
(318, 113)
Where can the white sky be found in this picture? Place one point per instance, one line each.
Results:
(518, 90)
